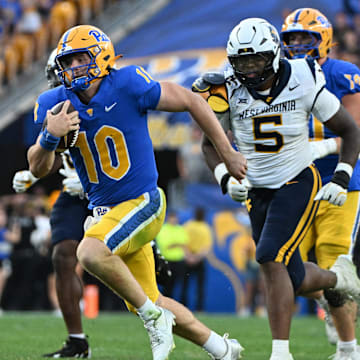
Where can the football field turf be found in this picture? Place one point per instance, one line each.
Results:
(121, 336)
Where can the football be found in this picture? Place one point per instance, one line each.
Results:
(70, 139)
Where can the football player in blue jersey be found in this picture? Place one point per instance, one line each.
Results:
(67, 218)
(306, 32)
(265, 101)
(114, 159)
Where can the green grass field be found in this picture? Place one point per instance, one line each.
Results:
(121, 336)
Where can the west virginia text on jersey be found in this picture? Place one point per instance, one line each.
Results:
(114, 147)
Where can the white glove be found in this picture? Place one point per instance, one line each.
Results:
(335, 192)
(98, 212)
(68, 170)
(320, 149)
(237, 191)
(71, 183)
(72, 186)
(90, 221)
(23, 180)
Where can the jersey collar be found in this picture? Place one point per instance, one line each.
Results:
(278, 86)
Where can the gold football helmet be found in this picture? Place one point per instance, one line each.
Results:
(92, 41)
(315, 24)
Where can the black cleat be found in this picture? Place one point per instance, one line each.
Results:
(73, 347)
(162, 269)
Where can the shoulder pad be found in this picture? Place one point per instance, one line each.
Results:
(204, 82)
(214, 78)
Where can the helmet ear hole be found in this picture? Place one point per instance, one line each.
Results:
(51, 71)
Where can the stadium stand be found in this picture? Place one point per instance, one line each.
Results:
(31, 28)
(40, 33)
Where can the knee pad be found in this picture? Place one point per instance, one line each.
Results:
(335, 298)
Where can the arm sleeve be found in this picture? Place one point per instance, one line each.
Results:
(45, 102)
(326, 105)
(347, 77)
(322, 103)
(39, 111)
(144, 88)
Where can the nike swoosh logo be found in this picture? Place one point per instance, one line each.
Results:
(108, 108)
(292, 88)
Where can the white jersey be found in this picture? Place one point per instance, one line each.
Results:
(271, 131)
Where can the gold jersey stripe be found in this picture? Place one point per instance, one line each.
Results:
(304, 223)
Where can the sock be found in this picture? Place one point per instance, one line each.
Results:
(280, 347)
(215, 345)
(148, 310)
(347, 345)
(78, 336)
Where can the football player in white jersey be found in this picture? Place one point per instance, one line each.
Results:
(266, 101)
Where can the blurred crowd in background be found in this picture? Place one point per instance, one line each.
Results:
(346, 33)
(29, 28)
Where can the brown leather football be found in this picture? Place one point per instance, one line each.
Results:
(70, 139)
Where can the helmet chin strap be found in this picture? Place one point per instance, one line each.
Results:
(80, 84)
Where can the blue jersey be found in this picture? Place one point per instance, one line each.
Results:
(342, 78)
(113, 155)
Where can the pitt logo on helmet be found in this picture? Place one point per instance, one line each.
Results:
(98, 36)
(84, 39)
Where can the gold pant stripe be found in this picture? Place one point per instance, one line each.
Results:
(304, 222)
(303, 232)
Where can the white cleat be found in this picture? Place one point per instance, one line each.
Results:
(345, 354)
(160, 334)
(233, 351)
(347, 279)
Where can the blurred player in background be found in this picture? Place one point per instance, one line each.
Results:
(307, 33)
(67, 219)
(266, 102)
(115, 162)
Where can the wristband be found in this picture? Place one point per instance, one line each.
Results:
(341, 166)
(222, 176)
(49, 142)
(342, 175)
